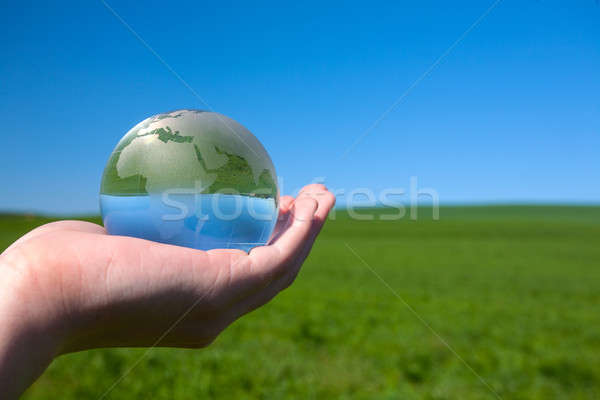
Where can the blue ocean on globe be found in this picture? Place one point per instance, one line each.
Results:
(200, 221)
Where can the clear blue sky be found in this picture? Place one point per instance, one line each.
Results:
(512, 114)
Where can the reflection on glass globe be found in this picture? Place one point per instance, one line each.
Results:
(190, 178)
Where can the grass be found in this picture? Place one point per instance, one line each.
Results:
(514, 290)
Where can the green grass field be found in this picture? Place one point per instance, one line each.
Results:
(515, 291)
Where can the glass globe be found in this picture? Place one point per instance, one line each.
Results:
(190, 178)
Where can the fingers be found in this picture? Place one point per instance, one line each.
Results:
(324, 198)
(285, 204)
(268, 263)
(271, 259)
(235, 275)
(324, 201)
(301, 218)
(309, 212)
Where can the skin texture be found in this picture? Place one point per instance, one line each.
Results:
(68, 286)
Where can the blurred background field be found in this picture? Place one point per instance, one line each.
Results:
(515, 290)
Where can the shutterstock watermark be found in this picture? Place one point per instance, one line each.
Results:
(360, 203)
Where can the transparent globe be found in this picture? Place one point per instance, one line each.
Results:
(190, 178)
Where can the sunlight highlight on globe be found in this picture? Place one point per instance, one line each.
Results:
(191, 178)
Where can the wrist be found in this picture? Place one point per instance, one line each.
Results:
(31, 334)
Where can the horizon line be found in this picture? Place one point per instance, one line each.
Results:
(450, 204)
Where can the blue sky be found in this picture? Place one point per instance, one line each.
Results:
(511, 114)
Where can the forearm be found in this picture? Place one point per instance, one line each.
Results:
(24, 355)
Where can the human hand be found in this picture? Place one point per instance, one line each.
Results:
(68, 286)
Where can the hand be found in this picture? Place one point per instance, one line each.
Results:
(68, 286)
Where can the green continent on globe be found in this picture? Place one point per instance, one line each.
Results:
(204, 152)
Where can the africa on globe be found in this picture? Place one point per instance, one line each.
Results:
(190, 178)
